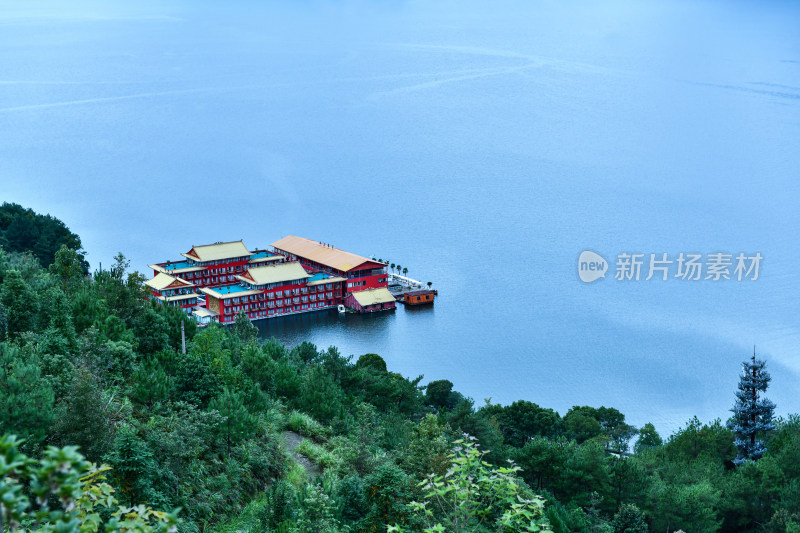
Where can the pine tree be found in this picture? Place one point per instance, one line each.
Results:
(752, 413)
(239, 424)
(19, 303)
(26, 400)
(134, 466)
(244, 328)
(68, 267)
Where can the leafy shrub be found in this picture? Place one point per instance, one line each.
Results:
(388, 490)
(473, 494)
(352, 498)
(64, 492)
(279, 507)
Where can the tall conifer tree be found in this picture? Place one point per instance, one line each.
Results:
(752, 413)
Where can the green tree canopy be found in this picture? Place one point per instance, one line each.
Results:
(23, 230)
(81, 499)
(437, 393)
(26, 400)
(629, 520)
(372, 361)
(20, 304)
(648, 438)
(69, 267)
(523, 420)
(237, 424)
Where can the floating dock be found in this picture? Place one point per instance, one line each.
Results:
(419, 297)
(410, 291)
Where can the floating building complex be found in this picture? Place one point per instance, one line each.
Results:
(216, 282)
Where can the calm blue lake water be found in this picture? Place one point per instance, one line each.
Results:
(481, 145)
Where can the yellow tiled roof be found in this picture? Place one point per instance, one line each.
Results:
(320, 253)
(216, 251)
(162, 281)
(274, 273)
(373, 296)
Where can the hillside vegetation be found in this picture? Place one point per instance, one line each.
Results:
(88, 361)
(23, 230)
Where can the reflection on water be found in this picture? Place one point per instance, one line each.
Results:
(403, 337)
(324, 328)
(420, 310)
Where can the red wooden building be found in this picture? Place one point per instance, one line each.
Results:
(274, 290)
(361, 273)
(223, 279)
(173, 291)
(216, 264)
(370, 300)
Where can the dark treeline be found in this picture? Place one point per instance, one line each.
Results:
(89, 361)
(23, 230)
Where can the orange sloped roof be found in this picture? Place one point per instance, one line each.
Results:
(320, 253)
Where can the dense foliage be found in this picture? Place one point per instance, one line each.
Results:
(64, 492)
(90, 362)
(23, 230)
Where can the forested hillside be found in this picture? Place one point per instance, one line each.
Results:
(23, 230)
(88, 361)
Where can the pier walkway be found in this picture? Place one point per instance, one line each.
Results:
(402, 280)
(400, 285)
